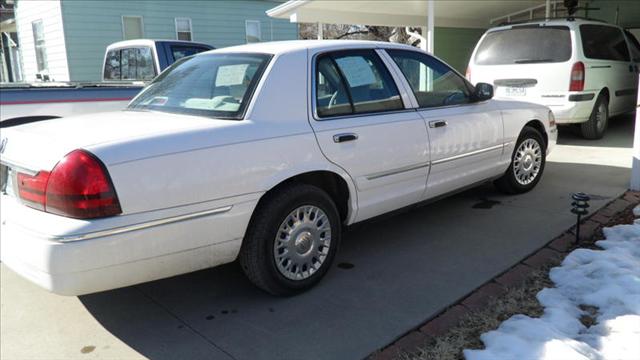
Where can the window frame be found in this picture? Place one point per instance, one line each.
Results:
(314, 91)
(45, 60)
(175, 21)
(119, 50)
(246, 33)
(467, 83)
(141, 25)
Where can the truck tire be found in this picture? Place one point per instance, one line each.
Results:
(292, 239)
(527, 163)
(595, 127)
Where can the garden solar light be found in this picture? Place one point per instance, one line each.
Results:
(580, 204)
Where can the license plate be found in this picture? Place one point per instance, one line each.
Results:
(515, 91)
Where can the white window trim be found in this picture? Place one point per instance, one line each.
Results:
(175, 21)
(246, 22)
(132, 16)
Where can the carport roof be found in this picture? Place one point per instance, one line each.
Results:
(452, 13)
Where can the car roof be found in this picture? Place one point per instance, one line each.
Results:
(572, 22)
(150, 42)
(280, 47)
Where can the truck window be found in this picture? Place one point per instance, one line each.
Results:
(525, 44)
(603, 43)
(129, 64)
(635, 46)
(180, 51)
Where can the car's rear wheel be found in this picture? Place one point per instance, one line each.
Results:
(595, 127)
(291, 240)
(527, 163)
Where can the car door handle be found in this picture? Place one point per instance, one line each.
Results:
(437, 123)
(338, 138)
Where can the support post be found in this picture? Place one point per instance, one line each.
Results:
(547, 9)
(635, 167)
(431, 17)
(320, 31)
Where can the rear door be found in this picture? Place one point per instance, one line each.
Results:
(608, 62)
(525, 62)
(362, 125)
(465, 136)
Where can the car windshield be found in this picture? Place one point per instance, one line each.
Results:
(214, 85)
(526, 44)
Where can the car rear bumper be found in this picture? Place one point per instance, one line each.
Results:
(576, 109)
(107, 259)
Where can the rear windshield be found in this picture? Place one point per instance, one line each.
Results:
(215, 85)
(525, 45)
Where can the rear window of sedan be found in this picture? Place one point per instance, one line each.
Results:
(525, 44)
(213, 85)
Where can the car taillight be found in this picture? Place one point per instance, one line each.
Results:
(468, 74)
(78, 186)
(577, 77)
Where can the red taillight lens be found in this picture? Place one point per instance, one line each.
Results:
(577, 77)
(78, 187)
(31, 189)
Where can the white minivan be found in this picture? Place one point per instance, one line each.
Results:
(585, 71)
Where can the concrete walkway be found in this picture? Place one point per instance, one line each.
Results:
(391, 275)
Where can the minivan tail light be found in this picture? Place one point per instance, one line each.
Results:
(78, 187)
(577, 77)
(468, 73)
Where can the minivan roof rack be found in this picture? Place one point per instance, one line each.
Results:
(568, 18)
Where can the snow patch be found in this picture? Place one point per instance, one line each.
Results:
(608, 280)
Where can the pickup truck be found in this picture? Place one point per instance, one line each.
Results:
(127, 67)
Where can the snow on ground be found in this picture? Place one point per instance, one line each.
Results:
(608, 279)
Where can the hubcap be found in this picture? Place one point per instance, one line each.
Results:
(302, 242)
(527, 162)
(601, 117)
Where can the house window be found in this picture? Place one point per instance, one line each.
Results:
(183, 29)
(252, 28)
(132, 27)
(38, 42)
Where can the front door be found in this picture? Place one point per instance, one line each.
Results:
(362, 125)
(466, 137)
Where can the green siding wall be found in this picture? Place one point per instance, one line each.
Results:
(90, 26)
(628, 12)
(455, 45)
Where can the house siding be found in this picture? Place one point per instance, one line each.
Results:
(455, 45)
(49, 12)
(92, 25)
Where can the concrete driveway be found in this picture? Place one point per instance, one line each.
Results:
(391, 275)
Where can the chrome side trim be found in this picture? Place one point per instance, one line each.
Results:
(397, 171)
(18, 167)
(134, 227)
(472, 153)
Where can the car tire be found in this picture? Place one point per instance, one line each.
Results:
(595, 127)
(527, 163)
(291, 240)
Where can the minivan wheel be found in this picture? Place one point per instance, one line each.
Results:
(527, 163)
(595, 127)
(291, 240)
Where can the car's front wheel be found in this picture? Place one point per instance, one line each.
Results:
(291, 240)
(527, 163)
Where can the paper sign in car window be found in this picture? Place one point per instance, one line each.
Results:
(231, 75)
(357, 71)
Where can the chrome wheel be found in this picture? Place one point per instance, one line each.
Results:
(527, 162)
(601, 117)
(302, 242)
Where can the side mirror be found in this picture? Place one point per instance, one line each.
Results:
(483, 91)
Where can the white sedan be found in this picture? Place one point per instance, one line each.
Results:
(260, 153)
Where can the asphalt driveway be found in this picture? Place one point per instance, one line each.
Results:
(390, 275)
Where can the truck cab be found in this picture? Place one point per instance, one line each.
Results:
(144, 59)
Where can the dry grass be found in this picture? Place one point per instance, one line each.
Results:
(466, 335)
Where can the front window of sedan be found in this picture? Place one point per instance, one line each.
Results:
(214, 85)
(433, 83)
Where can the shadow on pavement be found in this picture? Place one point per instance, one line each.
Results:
(619, 134)
(397, 272)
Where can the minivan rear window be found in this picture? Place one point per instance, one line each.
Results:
(525, 45)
